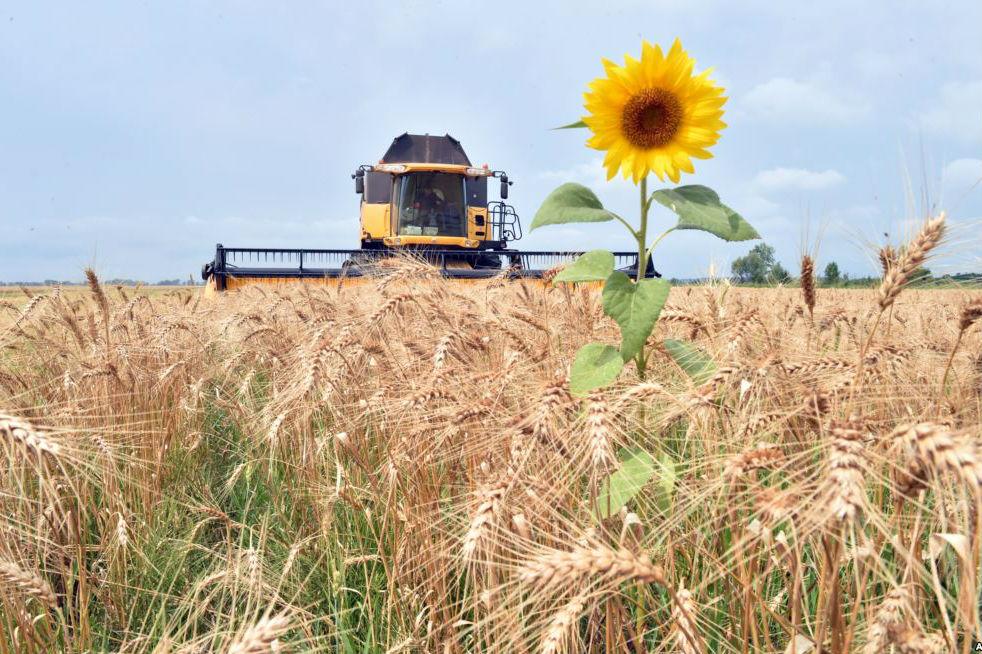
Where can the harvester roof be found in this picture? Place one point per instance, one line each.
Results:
(423, 148)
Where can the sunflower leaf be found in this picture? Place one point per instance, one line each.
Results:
(635, 307)
(577, 125)
(594, 266)
(691, 359)
(636, 470)
(596, 365)
(699, 207)
(571, 203)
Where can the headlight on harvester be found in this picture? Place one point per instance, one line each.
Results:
(390, 168)
(478, 172)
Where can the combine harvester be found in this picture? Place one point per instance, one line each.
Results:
(425, 199)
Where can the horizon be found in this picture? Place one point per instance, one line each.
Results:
(132, 139)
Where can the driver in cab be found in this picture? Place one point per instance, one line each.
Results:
(432, 201)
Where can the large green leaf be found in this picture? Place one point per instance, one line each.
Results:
(666, 483)
(578, 124)
(571, 203)
(594, 266)
(691, 359)
(699, 207)
(635, 307)
(637, 469)
(596, 365)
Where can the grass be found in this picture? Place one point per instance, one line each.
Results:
(400, 467)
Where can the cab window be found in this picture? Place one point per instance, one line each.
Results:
(430, 204)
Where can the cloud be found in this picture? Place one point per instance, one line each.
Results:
(797, 179)
(957, 113)
(961, 175)
(792, 101)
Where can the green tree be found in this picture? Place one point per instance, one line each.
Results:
(832, 274)
(920, 276)
(779, 274)
(756, 266)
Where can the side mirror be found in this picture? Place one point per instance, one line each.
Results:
(504, 187)
(359, 181)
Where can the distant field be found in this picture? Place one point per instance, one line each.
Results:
(14, 299)
(15, 292)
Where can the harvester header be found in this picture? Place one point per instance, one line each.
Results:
(424, 197)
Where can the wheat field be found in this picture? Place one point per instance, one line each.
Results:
(400, 467)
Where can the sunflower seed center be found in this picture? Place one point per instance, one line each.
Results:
(651, 118)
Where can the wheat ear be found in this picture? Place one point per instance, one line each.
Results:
(557, 569)
(943, 451)
(846, 481)
(262, 637)
(891, 614)
(808, 283)
(27, 583)
(560, 628)
(910, 260)
(599, 435)
(685, 617)
(887, 258)
(488, 510)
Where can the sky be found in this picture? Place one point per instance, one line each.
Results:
(134, 136)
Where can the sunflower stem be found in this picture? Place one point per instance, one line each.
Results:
(642, 234)
(642, 237)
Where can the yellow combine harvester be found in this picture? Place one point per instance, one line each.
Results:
(424, 198)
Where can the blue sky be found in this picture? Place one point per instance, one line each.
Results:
(134, 136)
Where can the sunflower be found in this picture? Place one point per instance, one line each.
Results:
(654, 115)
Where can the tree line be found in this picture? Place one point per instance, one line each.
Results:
(759, 266)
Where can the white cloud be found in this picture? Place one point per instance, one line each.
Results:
(797, 179)
(962, 175)
(957, 112)
(792, 101)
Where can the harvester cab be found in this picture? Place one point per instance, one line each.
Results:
(423, 198)
(425, 194)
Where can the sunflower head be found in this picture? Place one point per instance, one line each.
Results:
(654, 115)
